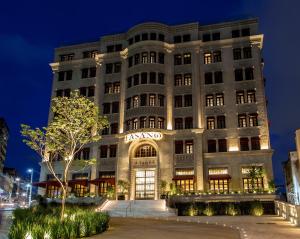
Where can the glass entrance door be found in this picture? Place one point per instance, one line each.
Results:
(145, 184)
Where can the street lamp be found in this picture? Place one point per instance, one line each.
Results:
(18, 187)
(30, 190)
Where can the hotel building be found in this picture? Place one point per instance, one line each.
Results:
(186, 105)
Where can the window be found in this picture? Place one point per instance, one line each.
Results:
(209, 100)
(113, 151)
(151, 122)
(219, 185)
(115, 107)
(106, 108)
(221, 122)
(235, 33)
(137, 38)
(67, 57)
(251, 96)
(178, 80)
(240, 98)
(188, 123)
(242, 119)
(207, 58)
(218, 77)
(91, 91)
(186, 38)
(144, 78)
(217, 171)
(160, 123)
(136, 79)
(82, 91)
(84, 73)
(143, 99)
(184, 171)
(188, 100)
(178, 147)
(247, 52)
(178, 123)
(216, 36)
(110, 48)
(128, 103)
(206, 37)
(253, 120)
(177, 60)
(119, 47)
(135, 123)
(129, 82)
(189, 146)
(105, 131)
(116, 87)
(237, 54)
(161, 37)
(211, 146)
(143, 121)
(177, 39)
(128, 125)
(65, 75)
(161, 58)
(107, 88)
(222, 143)
(187, 59)
(109, 68)
(161, 78)
(145, 57)
(208, 78)
(249, 73)
(219, 99)
(89, 54)
(137, 59)
(130, 41)
(238, 73)
(246, 32)
(144, 36)
(152, 57)
(178, 101)
(244, 144)
(184, 185)
(255, 143)
(130, 61)
(117, 67)
(103, 151)
(114, 128)
(217, 56)
(161, 100)
(251, 185)
(152, 36)
(210, 122)
(145, 151)
(135, 101)
(152, 100)
(187, 79)
(152, 78)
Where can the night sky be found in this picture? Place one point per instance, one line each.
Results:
(30, 30)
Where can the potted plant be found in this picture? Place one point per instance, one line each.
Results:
(123, 188)
(110, 192)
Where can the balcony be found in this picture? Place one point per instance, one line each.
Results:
(184, 160)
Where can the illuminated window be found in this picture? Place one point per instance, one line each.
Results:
(253, 120)
(151, 122)
(160, 123)
(242, 119)
(79, 189)
(251, 96)
(135, 101)
(152, 57)
(219, 99)
(187, 58)
(219, 185)
(240, 98)
(145, 151)
(187, 79)
(53, 191)
(184, 171)
(207, 58)
(244, 144)
(116, 87)
(178, 80)
(217, 171)
(253, 184)
(143, 122)
(209, 100)
(145, 57)
(189, 146)
(135, 123)
(185, 185)
(152, 99)
(210, 122)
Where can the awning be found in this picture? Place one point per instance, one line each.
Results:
(219, 176)
(96, 181)
(83, 182)
(44, 184)
(183, 177)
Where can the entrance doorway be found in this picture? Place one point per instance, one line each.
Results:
(145, 184)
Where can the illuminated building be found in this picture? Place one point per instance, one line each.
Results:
(186, 105)
(4, 132)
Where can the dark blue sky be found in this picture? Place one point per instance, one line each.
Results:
(30, 30)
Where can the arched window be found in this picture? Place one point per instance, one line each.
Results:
(145, 150)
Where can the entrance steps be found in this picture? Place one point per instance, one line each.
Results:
(137, 208)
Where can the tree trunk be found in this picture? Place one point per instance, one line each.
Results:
(63, 202)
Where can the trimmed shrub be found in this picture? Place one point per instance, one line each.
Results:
(232, 209)
(257, 208)
(209, 210)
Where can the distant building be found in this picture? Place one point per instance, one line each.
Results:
(3, 142)
(186, 106)
(292, 174)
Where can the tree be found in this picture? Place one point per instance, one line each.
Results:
(123, 186)
(76, 122)
(254, 173)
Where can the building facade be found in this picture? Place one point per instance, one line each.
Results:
(186, 106)
(4, 132)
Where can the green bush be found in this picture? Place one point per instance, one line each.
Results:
(209, 210)
(232, 209)
(257, 208)
(78, 222)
